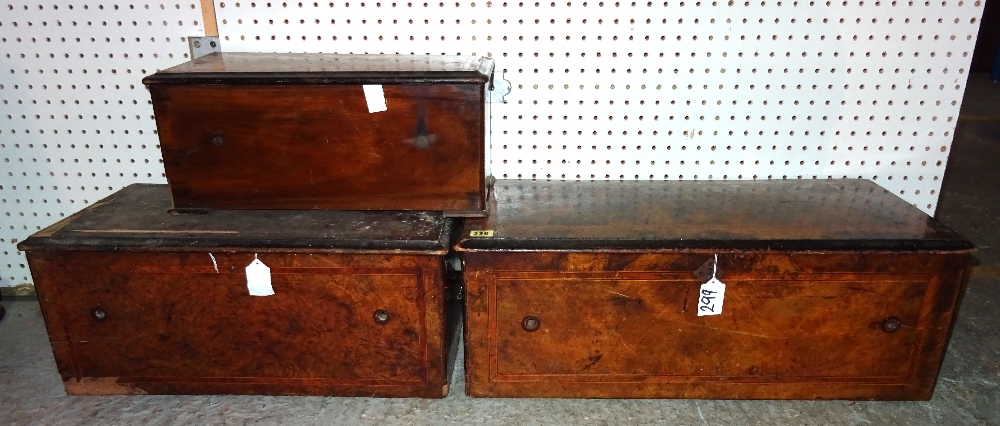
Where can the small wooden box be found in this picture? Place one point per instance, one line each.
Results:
(139, 301)
(295, 131)
(834, 290)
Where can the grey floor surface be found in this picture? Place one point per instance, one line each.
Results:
(968, 390)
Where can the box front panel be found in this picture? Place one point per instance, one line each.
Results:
(638, 327)
(627, 325)
(318, 146)
(356, 321)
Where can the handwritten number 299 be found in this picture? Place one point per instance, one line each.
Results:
(706, 301)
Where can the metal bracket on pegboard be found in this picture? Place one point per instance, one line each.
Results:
(201, 46)
(499, 88)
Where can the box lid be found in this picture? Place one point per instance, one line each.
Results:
(765, 215)
(138, 218)
(322, 68)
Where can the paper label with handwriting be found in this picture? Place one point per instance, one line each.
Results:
(375, 97)
(710, 298)
(259, 279)
(481, 233)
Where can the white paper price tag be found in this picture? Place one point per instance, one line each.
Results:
(375, 97)
(259, 279)
(710, 298)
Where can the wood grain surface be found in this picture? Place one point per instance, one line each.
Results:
(185, 323)
(318, 147)
(139, 218)
(834, 290)
(139, 300)
(777, 214)
(325, 68)
(794, 325)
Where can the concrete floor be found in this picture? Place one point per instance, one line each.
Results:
(968, 391)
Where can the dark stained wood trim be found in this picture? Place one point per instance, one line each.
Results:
(645, 246)
(316, 78)
(624, 216)
(151, 228)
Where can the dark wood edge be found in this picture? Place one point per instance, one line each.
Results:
(464, 213)
(487, 201)
(174, 246)
(482, 75)
(44, 241)
(40, 237)
(941, 313)
(229, 244)
(469, 244)
(710, 391)
(48, 292)
(318, 78)
(330, 388)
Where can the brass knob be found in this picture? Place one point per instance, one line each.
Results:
(891, 324)
(530, 323)
(98, 314)
(381, 316)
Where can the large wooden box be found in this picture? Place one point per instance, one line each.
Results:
(139, 301)
(297, 131)
(834, 290)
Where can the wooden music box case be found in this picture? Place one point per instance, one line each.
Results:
(139, 301)
(322, 131)
(822, 290)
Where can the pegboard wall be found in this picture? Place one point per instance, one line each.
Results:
(601, 89)
(678, 89)
(75, 121)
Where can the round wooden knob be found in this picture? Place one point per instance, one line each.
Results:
(891, 324)
(530, 323)
(381, 316)
(98, 314)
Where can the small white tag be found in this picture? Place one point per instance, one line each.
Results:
(259, 279)
(710, 298)
(375, 98)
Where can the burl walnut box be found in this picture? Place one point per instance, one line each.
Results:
(325, 131)
(137, 300)
(833, 290)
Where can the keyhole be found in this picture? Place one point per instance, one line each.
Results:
(530, 323)
(891, 324)
(381, 316)
(98, 314)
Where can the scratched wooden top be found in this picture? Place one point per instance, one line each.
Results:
(137, 218)
(777, 214)
(321, 68)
